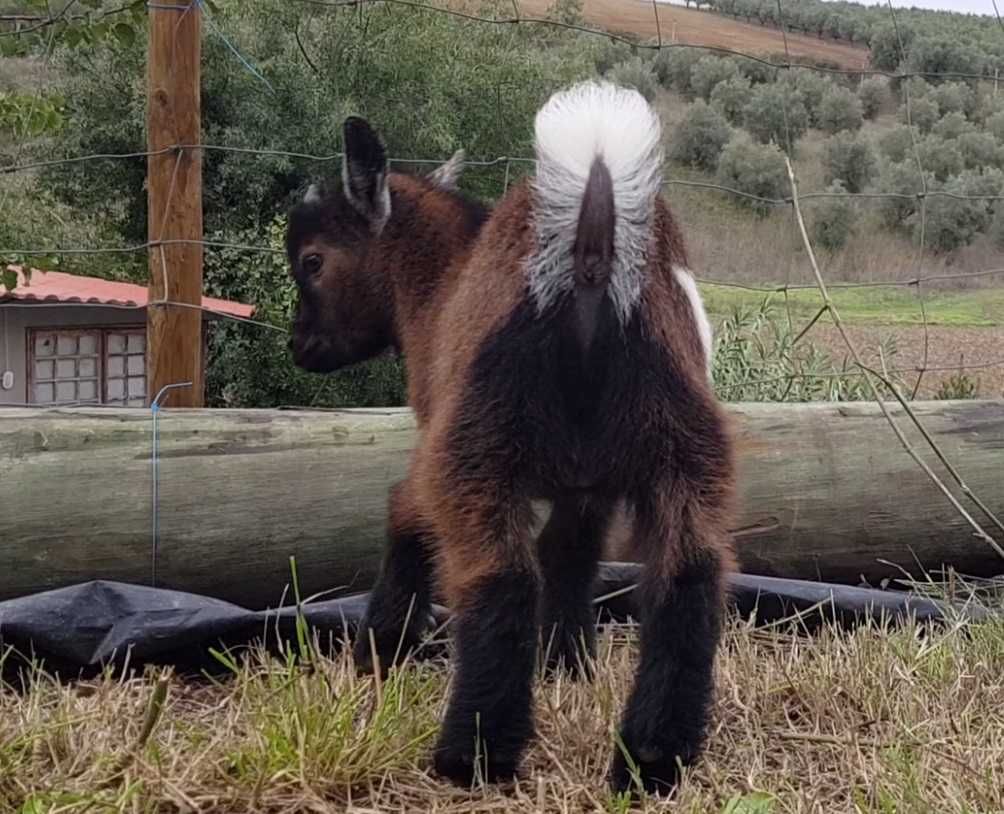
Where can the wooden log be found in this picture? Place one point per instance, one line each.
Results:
(827, 493)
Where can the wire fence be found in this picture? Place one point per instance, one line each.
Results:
(879, 378)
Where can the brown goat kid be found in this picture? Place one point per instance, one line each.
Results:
(557, 356)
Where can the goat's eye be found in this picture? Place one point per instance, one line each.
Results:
(312, 263)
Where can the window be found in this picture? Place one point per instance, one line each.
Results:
(66, 367)
(88, 366)
(125, 368)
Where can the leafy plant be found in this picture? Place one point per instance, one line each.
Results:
(710, 71)
(776, 113)
(833, 219)
(849, 158)
(873, 93)
(757, 358)
(839, 110)
(756, 169)
(958, 386)
(636, 73)
(731, 96)
(700, 137)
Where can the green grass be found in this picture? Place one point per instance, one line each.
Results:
(976, 308)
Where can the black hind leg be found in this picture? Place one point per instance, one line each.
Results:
(682, 605)
(569, 549)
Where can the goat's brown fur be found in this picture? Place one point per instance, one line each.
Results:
(515, 406)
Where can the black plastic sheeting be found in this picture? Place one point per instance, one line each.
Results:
(85, 628)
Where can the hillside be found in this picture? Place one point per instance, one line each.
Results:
(705, 28)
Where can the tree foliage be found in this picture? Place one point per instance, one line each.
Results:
(832, 219)
(755, 169)
(850, 160)
(700, 137)
(731, 96)
(429, 82)
(839, 110)
(873, 93)
(775, 113)
(708, 72)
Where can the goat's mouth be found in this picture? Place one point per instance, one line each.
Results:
(313, 356)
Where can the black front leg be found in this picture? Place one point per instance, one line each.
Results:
(400, 603)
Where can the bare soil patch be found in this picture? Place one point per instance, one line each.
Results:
(683, 25)
(947, 347)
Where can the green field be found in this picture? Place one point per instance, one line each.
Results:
(979, 308)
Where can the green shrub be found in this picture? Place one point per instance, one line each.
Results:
(812, 87)
(873, 93)
(940, 54)
(839, 110)
(949, 223)
(979, 150)
(635, 73)
(708, 72)
(673, 66)
(731, 97)
(776, 113)
(952, 125)
(941, 158)
(756, 169)
(922, 112)
(954, 97)
(896, 144)
(957, 387)
(995, 125)
(700, 137)
(902, 178)
(996, 229)
(605, 53)
(757, 359)
(849, 158)
(756, 71)
(832, 219)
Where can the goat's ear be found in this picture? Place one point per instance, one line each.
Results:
(364, 172)
(445, 176)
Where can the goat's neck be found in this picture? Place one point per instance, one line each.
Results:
(426, 242)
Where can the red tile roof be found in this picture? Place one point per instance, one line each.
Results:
(57, 287)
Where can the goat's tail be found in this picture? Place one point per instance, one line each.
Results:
(598, 173)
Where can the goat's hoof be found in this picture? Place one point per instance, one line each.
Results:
(652, 769)
(462, 767)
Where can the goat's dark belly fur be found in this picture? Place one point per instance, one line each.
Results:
(553, 416)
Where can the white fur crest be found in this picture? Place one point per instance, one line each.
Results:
(588, 121)
(446, 175)
(686, 281)
(312, 195)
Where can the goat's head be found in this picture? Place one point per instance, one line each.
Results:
(344, 313)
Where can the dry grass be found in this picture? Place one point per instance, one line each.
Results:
(871, 721)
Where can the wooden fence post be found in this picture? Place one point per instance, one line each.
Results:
(174, 179)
